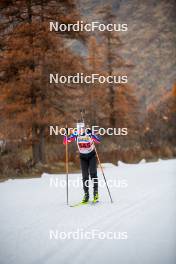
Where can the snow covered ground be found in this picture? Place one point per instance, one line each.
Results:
(33, 212)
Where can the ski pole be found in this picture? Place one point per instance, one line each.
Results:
(103, 175)
(66, 164)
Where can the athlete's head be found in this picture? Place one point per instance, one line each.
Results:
(80, 128)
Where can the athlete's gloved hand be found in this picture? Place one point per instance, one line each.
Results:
(88, 131)
(66, 130)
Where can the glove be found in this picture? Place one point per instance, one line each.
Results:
(66, 130)
(88, 131)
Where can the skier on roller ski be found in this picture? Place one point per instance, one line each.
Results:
(85, 140)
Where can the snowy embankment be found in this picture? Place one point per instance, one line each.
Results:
(143, 215)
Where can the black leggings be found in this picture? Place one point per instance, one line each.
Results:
(89, 166)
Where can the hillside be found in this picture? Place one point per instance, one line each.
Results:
(149, 43)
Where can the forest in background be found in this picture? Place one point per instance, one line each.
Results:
(29, 104)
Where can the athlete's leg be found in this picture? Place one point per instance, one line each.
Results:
(93, 172)
(85, 175)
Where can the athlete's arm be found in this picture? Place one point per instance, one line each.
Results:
(69, 138)
(94, 137)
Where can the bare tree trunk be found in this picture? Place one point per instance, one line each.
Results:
(43, 98)
(112, 119)
(42, 155)
(35, 145)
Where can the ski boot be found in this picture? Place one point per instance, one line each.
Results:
(85, 198)
(96, 197)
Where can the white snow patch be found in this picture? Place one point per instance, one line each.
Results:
(108, 165)
(121, 163)
(142, 161)
(45, 174)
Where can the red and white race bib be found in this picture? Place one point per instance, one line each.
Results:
(85, 144)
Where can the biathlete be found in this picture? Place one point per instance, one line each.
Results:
(85, 141)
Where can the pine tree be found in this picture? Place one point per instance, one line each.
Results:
(97, 92)
(113, 63)
(30, 53)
